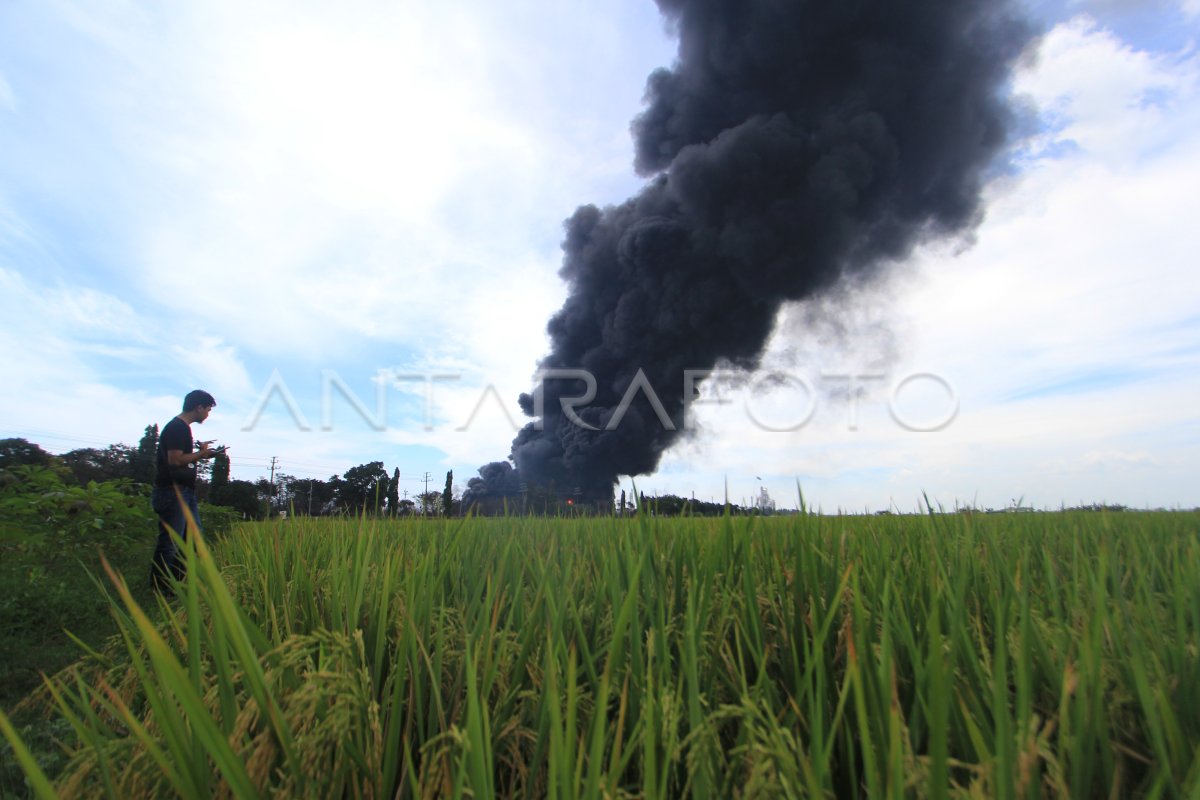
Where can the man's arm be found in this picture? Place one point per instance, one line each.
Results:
(178, 458)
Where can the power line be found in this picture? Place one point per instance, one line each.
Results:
(27, 434)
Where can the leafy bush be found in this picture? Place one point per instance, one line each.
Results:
(51, 538)
(218, 520)
(42, 496)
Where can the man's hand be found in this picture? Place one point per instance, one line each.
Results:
(205, 452)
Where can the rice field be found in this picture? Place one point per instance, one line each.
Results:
(964, 655)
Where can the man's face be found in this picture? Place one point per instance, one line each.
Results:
(202, 413)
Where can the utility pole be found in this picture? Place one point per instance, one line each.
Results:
(425, 497)
(271, 502)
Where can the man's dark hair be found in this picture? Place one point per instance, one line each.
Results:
(197, 398)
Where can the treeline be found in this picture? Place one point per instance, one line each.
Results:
(85, 464)
(670, 505)
(366, 488)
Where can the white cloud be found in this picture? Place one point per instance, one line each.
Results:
(59, 310)
(1114, 102)
(324, 176)
(89, 309)
(1094, 458)
(66, 350)
(331, 177)
(210, 363)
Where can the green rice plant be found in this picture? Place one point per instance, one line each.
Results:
(940, 655)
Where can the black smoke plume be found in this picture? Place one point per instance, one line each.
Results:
(793, 143)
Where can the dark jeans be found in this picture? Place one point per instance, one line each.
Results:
(170, 513)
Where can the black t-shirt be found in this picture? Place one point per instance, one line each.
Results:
(176, 435)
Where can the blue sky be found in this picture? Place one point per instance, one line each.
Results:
(308, 197)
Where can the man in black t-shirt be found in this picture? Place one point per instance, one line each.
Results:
(175, 485)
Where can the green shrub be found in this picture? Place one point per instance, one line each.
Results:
(218, 520)
(43, 496)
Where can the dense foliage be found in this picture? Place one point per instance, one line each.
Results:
(999, 655)
(53, 532)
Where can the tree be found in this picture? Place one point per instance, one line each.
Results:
(448, 496)
(143, 464)
(241, 496)
(336, 485)
(363, 488)
(19, 452)
(393, 497)
(316, 497)
(265, 491)
(283, 496)
(220, 470)
(430, 501)
(204, 468)
(93, 464)
(305, 495)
